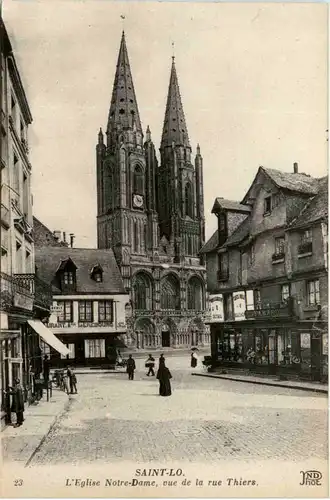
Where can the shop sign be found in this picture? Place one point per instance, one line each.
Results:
(216, 305)
(57, 309)
(305, 341)
(239, 306)
(325, 344)
(23, 301)
(80, 325)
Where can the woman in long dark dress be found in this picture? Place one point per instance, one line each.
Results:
(164, 376)
(18, 402)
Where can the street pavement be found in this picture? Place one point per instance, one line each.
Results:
(205, 420)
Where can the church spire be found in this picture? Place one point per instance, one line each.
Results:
(174, 128)
(124, 110)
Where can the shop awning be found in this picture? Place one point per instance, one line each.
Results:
(47, 336)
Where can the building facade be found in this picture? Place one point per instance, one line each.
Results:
(23, 295)
(89, 306)
(152, 216)
(267, 278)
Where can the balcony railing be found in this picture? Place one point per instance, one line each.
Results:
(5, 216)
(271, 311)
(306, 247)
(41, 291)
(14, 294)
(278, 256)
(223, 275)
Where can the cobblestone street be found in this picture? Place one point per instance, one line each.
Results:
(205, 420)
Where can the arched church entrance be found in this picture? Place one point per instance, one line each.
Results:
(195, 332)
(145, 334)
(168, 332)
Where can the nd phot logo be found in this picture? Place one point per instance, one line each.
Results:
(311, 478)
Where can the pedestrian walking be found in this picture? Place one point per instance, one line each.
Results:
(65, 381)
(150, 363)
(18, 402)
(72, 381)
(194, 359)
(130, 367)
(164, 376)
(46, 370)
(161, 359)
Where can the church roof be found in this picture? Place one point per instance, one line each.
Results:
(123, 108)
(174, 128)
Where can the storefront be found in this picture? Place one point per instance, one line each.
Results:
(289, 349)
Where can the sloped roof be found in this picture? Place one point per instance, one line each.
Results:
(48, 260)
(297, 183)
(211, 244)
(300, 183)
(240, 233)
(315, 209)
(230, 205)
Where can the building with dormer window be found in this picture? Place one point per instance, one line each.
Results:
(89, 303)
(267, 277)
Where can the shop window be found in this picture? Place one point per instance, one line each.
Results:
(95, 348)
(285, 293)
(106, 310)
(313, 292)
(71, 354)
(66, 312)
(86, 311)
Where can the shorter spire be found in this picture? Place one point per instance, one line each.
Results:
(198, 149)
(100, 136)
(148, 134)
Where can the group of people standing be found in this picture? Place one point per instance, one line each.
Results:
(163, 373)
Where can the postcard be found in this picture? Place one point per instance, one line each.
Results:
(164, 249)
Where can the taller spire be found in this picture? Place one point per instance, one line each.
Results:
(174, 128)
(124, 112)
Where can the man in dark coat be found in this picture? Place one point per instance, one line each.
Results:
(130, 367)
(164, 376)
(18, 402)
(46, 370)
(150, 363)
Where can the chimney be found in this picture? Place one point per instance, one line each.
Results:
(57, 235)
(64, 237)
(295, 168)
(71, 239)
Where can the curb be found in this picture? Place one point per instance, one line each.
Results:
(258, 382)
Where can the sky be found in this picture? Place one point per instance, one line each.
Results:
(252, 76)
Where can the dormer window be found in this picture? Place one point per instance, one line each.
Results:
(66, 275)
(97, 273)
(68, 278)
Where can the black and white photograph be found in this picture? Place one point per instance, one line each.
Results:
(164, 249)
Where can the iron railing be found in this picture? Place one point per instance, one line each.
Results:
(14, 294)
(42, 292)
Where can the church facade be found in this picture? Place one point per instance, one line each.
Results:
(152, 216)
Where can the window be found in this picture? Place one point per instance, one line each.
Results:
(106, 310)
(95, 348)
(257, 298)
(71, 354)
(188, 200)
(222, 222)
(16, 183)
(86, 311)
(306, 236)
(223, 265)
(142, 292)
(66, 314)
(267, 205)
(252, 255)
(195, 294)
(13, 109)
(285, 292)
(313, 290)
(170, 293)
(279, 246)
(138, 181)
(68, 278)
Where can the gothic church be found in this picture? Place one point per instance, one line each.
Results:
(152, 216)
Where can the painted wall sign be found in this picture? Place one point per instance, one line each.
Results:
(239, 306)
(216, 306)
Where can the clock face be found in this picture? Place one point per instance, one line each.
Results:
(138, 200)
